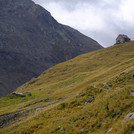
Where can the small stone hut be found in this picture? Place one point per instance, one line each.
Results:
(122, 39)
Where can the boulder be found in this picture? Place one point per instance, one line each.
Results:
(129, 116)
(58, 119)
(19, 94)
(131, 92)
(90, 98)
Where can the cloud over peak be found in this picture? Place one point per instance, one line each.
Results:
(102, 20)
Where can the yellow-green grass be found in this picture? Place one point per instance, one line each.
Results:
(72, 82)
(76, 116)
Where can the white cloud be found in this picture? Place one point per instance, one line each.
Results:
(84, 17)
(127, 11)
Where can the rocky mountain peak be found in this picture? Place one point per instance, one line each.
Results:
(31, 41)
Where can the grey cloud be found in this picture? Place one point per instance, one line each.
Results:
(102, 20)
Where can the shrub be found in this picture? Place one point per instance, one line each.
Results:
(115, 113)
(62, 106)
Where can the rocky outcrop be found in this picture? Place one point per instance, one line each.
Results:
(31, 41)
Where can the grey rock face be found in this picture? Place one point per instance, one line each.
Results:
(31, 41)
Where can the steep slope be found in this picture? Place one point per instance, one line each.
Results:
(92, 93)
(31, 41)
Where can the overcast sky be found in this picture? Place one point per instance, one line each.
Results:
(101, 20)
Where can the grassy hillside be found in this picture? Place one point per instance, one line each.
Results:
(92, 93)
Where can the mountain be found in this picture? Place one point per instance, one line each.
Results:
(92, 93)
(31, 41)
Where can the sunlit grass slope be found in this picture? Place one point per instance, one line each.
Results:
(88, 94)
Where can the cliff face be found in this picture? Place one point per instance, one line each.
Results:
(31, 41)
